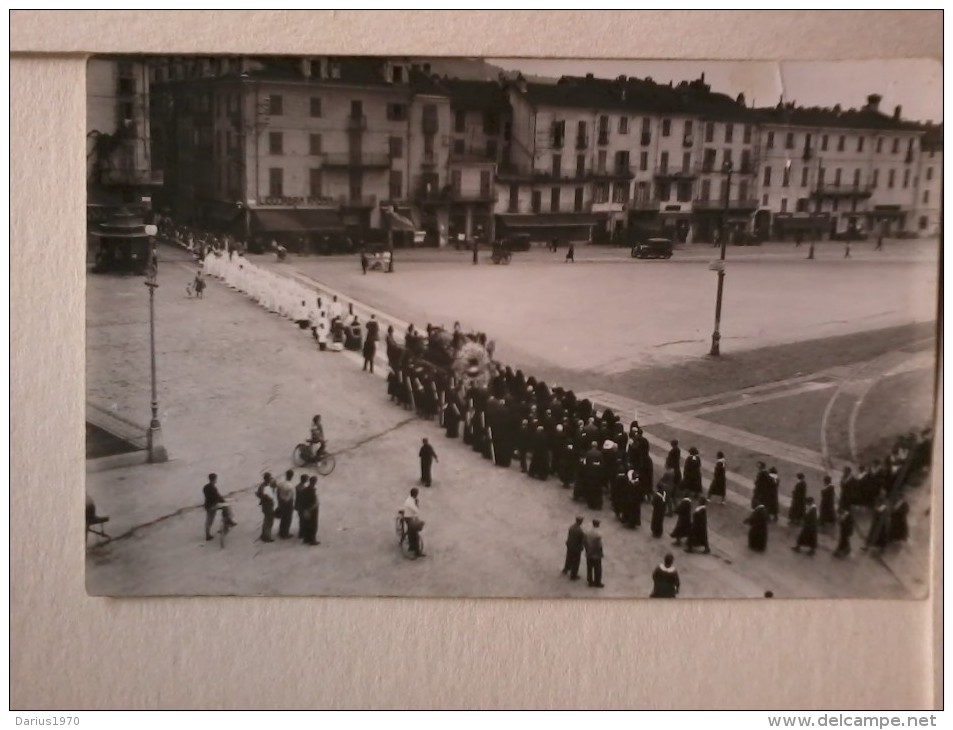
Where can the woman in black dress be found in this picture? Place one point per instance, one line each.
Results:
(692, 476)
(758, 530)
(798, 501)
(718, 487)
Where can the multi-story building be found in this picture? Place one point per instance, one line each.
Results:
(625, 152)
(300, 149)
(929, 194)
(118, 161)
(831, 171)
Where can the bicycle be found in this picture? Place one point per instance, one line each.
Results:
(224, 524)
(323, 461)
(400, 527)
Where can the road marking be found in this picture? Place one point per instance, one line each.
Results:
(755, 400)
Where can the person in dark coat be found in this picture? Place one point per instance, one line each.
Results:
(452, 413)
(659, 501)
(668, 487)
(692, 478)
(808, 535)
(673, 462)
(427, 457)
(300, 506)
(719, 479)
(761, 486)
(647, 476)
(568, 467)
(618, 494)
(683, 522)
(899, 530)
(772, 500)
(698, 536)
(575, 542)
(632, 501)
(828, 514)
(848, 489)
(798, 501)
(665, 581)
(524, 440)
(758, 530)
(307, 506)
(879, 527)
(539, 461)
(846, 523)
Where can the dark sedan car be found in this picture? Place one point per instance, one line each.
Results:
(653, 248)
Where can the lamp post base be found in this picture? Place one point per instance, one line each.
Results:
(157, 452)
(715, 345)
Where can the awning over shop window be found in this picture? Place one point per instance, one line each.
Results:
(551, 220)
(296, 221)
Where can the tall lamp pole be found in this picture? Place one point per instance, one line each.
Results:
(157, 452)
(716, 335)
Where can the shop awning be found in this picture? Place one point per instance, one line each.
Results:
(296, 221)
(399, 222)
(552, 220)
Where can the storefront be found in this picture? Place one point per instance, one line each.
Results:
(300, 230)
(544, 227)
(807, 226)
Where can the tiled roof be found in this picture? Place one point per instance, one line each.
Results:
(822, 117)
(637, 95)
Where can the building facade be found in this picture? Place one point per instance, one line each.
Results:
(308, 149)
(928, 204)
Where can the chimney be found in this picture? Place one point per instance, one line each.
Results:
(896, 112)
(873, 103)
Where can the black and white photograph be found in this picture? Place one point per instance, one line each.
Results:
(511, 327)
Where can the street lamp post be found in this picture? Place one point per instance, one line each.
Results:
(716, 335)
(157, 452)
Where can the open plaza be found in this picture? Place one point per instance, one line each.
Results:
(824, 362)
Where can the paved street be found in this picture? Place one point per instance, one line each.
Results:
(809, 379)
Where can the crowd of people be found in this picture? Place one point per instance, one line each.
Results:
(510, 418)
(554, 435)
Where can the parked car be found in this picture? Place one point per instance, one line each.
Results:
(654, 248)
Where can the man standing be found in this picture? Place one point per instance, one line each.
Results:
(267, 503)
(370, 344)
(674, 462)
(212, 500)
(301, 507)
(594, 554)
(363, 262)
(308, 511)
(476, 252)
(413, 523)
(571, 253)
(427, 457)
(828, 514)
(285, 492)
(575, 542)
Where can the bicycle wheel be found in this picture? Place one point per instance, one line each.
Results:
(299, 457)
(326, 464)
(399, 529)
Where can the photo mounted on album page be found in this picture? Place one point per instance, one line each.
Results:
(459, 327)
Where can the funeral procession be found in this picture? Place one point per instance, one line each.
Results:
(368, 326)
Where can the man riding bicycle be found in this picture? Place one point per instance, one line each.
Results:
(316, 439)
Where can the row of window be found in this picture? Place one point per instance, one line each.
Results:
(276, 183)
(276, 144)
(491, 122)
(559, 129)
(838, 179)
(275, 107)
(790, 143)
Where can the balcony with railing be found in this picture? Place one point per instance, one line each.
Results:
(666, 172)
(356, 123)
(357, 202)
(643, 204)
(736, 204)
(842, 191)
(616, 172)
(511, 173)
(365, 160)
(131, 176)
